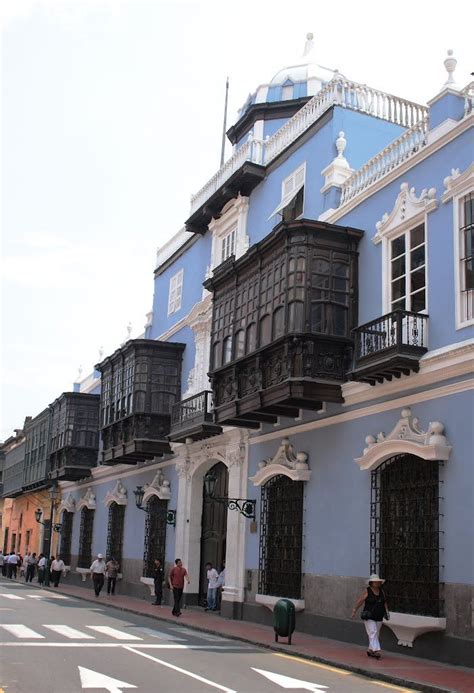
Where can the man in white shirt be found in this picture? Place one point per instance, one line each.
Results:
(212, 586)
(57, 567)
(41, 568)
(98, 570)
(12, 565)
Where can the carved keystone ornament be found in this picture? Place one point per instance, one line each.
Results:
(117, 495)
(286, 462)
(87, 500)
(159, 487)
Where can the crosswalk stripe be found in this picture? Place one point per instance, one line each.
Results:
(160, 634)
(46, 595)
(69, 632)
(20, 631)
(114, 633)
(11, 596)
(198, 634)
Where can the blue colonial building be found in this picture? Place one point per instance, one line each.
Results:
(310, 356)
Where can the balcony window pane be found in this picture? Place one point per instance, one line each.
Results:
(418, 257)
(417, 236)
(251, 338)
(278, 322)
(469, 275)
(265, 330)
(418, 302)
(417, 279)
(216, 357)
(239, 344)
(296, 316)
(398, 289)
(398, 246)
(398, 267)
(227, 349)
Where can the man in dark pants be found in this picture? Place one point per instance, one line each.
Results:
(158, 582)
(176, 582)
(98, 569)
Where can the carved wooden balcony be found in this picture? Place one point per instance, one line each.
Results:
(282, 319)
(37, 442)
(140, 383)
(74, 436)
(193, 418)
(389, 346)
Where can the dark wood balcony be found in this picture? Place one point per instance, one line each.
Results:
(37, 445)
(140, 383)
(281, 326)
(74, 436)
(389, 346)
(193, 418)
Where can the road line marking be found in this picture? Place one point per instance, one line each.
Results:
(114, 633)
(6, 608)
(142, 646)
(69, 632)
(11, 596)
(327, 667)
(197, 634)
(392, 687)
(160, 634)
(180, 670)
(20, 631)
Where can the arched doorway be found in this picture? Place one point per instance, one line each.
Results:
(213, 527)
(405, 536)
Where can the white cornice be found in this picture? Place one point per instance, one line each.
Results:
(407, 211)
(457, 130)
(458, 183)
(285, 462)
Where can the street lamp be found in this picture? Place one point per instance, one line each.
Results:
(170, 514)
(55, 495)
(244, 506)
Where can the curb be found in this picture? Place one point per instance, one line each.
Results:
(366, 673)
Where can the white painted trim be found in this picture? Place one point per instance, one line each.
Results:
(407, 627)
(67, 504)
(263, 475)
(233, 216)
(87, 500)
(159, 487)
(457, 130)
(175, 292)
(426, 396)
(196, 310)
(285, 462)
(269, 601)
(117, 474)
(458, 184)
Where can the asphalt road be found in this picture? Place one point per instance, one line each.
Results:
(50, 643)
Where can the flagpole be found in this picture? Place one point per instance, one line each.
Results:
(225, 120)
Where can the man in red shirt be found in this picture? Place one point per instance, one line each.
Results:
(176, 581)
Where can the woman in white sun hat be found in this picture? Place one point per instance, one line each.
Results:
(374, 611)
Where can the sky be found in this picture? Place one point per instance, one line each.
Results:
(112, 117)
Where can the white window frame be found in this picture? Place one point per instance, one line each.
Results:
(290, 187)
(175, 293)
(458, 186)
(228, 243)
(233, 219)
(408, 270)
(462, 298)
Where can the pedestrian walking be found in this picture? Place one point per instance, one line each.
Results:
(112, 572)
(374, 611)
(31, 563)
(158, 575)
(178, 574)
(41, 568)
(57, 567)
(98, 570)
(12, 565)
(212, 587)
(2, 564)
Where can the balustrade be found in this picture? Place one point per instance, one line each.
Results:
(193, 418)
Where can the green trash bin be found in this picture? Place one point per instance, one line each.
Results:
(284, 619)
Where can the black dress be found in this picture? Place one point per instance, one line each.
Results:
(375, 603)
(158, 580)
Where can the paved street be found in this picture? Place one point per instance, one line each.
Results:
(51, 642)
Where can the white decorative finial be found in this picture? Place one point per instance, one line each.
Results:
(450, 65)
(129, 330)
(341, 144)
(79, 373)
(101, 352)
(309, 45)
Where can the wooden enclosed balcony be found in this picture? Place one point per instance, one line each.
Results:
(74, 436)
(140, 383)
(389, 346)
(193, 418)
(281, 326)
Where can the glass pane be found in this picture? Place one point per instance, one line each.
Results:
(339, 326)
(417, 236)
(296, 316)
(398, 246)
(320, 280)
(417, 280)
(398, 267)
(398, 289)
(251, 337)
(321, 266)
(468, 210)
(418, 302)
(227, 349)
(418, 257)
(398, 305)
(317, 317)
(340, 270)
(340, 284)
(468, 242)
(265, 330)
(239, 344)
(318, 295)
(469, 275)
(278, 323)
(216, 355)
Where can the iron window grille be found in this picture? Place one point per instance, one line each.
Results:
(66, 537)
(405, 533)
(155, 534)
(281, 538)
(115, 532)
(85, 538)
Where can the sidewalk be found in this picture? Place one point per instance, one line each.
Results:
(411, 672)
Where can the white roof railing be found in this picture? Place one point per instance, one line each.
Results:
(338, 92)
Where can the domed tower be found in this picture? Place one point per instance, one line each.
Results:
(272, 104)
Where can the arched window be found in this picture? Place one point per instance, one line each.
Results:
(281, 540)
(278, 322)
(251, 338)
(405, 538)
(239, 344)
(216, 354)
(227, 350)
(85, 538)
(66, 536)
(296, 316)
(265, 330)
(115, 532)
(155, 534)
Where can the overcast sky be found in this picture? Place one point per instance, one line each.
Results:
(112, 116)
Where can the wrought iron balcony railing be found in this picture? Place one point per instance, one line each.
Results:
(193, 418)
(389, 346)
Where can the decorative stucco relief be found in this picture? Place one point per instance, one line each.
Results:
(67, 504)
(159, 487)
(87, 500)
(407, 207)
(286, 462)
(117, 495)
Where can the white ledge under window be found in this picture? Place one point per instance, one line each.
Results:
(407, 627)
(269, 601)
(150, 583)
